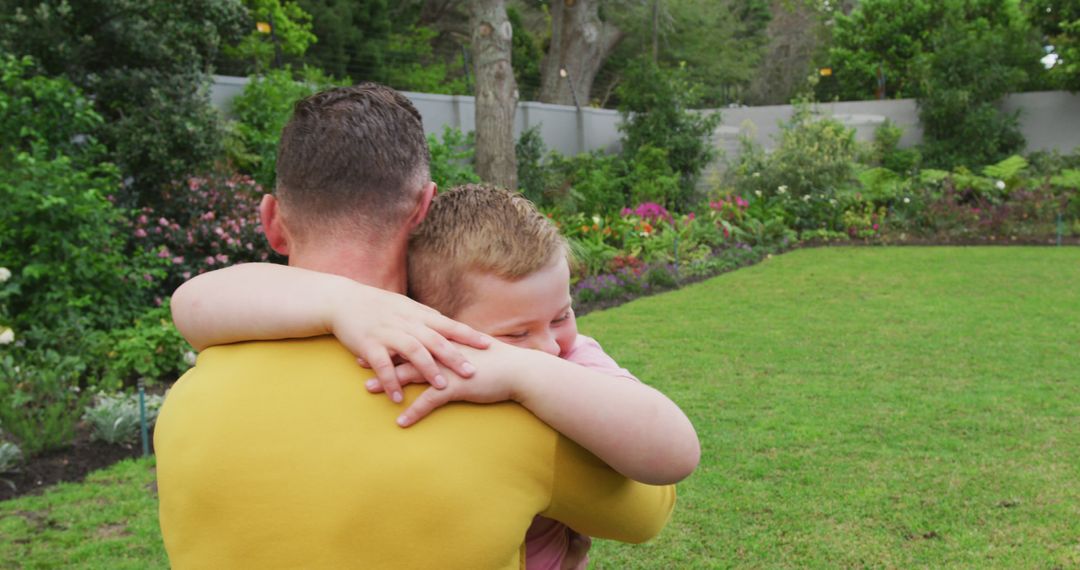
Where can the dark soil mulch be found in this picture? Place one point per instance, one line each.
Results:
(71, 464)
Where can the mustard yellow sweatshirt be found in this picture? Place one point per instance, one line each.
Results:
(273, 455)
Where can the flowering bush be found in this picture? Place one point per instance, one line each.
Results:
(212, 221)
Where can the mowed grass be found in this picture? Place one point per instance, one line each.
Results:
(857, 407)
(869, 408)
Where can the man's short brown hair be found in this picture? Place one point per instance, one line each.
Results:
(351, 157)
(477, 229)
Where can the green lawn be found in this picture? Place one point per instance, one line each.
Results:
(858, 407)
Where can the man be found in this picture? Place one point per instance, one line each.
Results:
(273, 454)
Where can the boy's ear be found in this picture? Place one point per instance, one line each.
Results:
(273, 224)
(427, 193)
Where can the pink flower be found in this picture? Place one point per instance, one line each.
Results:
(163, 222)
(222, 258)
(143, 219)
(178, 260)
(209, 260)
(163, 253)
(187, 275)
(875, 227)
(148, 277)
(140, 233)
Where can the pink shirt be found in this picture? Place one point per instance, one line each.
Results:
(548, 541)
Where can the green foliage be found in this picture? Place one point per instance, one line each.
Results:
(651, 178)
(115, 418)
(62, 239)
(150, 348)
(975, 56)
(894, 39)
(452, 158)
(886, 151)
(145, 66)
(1008, 170)
(261, 111)
(655, 106)
(44, 116)
(878, 36)
(289, 33)
(40, 399)
(414, 66)
(591, 183)
(352, 36)
(810, 170)
(1068, 179)
(533, 177)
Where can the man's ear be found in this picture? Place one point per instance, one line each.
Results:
(273, 224)
(423, 204)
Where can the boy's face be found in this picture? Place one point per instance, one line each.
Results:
(533, 312)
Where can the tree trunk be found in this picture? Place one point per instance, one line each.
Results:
(580, 43)
(496, 93)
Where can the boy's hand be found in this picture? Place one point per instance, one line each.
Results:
(384, 329)
(494, 381)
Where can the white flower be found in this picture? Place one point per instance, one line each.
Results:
(832, 202)
(907, 200)
(758, 193)
(189, 358)
(1000, 184)
(596, 219)
(781, 189)
(7, 336)
(5, 274)
(756, 174)
(806, 198)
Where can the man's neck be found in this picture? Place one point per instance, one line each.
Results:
(383, 267)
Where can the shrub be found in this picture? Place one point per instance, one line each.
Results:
(651, 178)
(146, 65)
(655, 105)
(60, 235)
(452, 158)
(115, 418)
(533, 176)
(40, 399)
(46, 117)
(151, 348)
(589, 183)
(64, 242)
(809, 172)
(212, 221)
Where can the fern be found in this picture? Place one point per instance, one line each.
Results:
(1007, 169)
(1069, 179)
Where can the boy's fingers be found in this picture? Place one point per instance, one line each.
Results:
(460, 332)
(417, 354)
(424, 405)
(448, 354)
(383, 366)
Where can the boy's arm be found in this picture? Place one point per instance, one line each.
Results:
(262, 301)
(632, 427)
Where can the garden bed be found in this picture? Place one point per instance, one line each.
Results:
(71, 464)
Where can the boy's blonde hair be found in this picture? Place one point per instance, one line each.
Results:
(477, 229)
